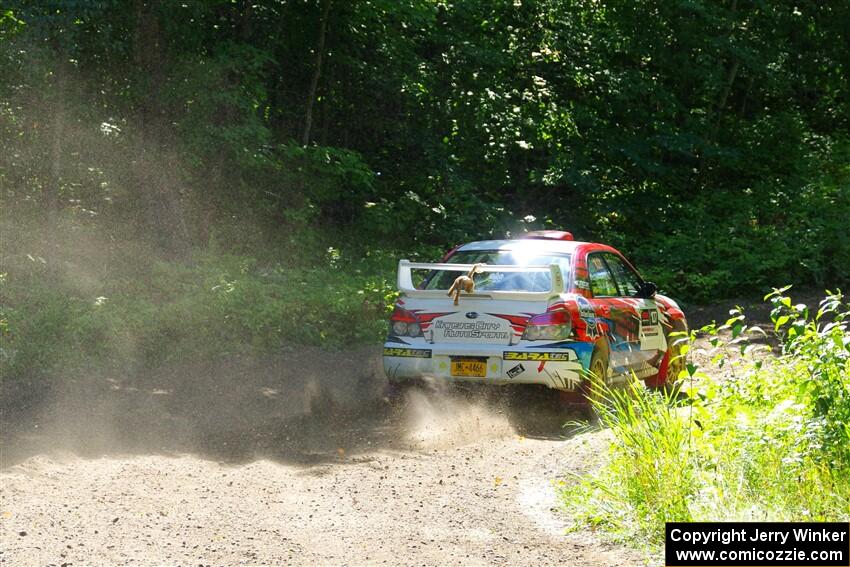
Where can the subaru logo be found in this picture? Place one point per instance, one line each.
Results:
(472, 315)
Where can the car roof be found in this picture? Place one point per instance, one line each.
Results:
(541, 244)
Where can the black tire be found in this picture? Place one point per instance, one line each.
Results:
(595, 383)
(676, 363)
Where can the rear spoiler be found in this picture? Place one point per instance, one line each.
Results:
(405, 280)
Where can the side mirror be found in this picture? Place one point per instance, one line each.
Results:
(647, 290)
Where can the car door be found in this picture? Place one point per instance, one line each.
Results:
(622, 328)
(650, 338)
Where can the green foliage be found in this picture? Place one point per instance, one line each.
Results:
(768, 441)
(217, 98)
(818, 348)
(707, 139)
(654, 451)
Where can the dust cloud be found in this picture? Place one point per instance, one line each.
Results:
(74, 220)
(300, 405)
(444, 420)
(303, 407)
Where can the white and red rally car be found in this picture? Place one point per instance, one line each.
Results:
(545, 310)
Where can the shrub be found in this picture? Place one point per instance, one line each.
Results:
(768, 441)
(818, 349)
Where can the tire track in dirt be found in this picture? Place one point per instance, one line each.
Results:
(438, 480)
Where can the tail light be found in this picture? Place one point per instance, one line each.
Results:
(551, 326)
(403, 323)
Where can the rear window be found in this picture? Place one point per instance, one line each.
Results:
(501, 281)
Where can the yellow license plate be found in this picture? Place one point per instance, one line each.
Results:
(473, 368)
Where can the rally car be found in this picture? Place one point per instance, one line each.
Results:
(545, 309)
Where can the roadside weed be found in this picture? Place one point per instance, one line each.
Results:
(754, 438)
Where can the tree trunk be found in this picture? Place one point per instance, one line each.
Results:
(57, 131)
(724, 96)
(715, 111)
(317, 72)
(730, 77)
(325, 107)
(155, 173)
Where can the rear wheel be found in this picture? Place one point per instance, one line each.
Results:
(672, 364)
(595, 383)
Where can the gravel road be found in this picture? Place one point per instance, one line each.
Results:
(200, 471)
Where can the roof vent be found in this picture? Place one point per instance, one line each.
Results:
(549, 235)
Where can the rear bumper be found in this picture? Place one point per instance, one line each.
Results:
(558, 367)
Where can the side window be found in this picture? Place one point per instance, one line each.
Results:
(627, 280)
(601, 281)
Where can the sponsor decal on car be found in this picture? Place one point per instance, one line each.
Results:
(585, 308)
(649, 316)
(588, 315)
(649, 321)
(471, 330)
(539, 356)
(516, 371)
(407, 352)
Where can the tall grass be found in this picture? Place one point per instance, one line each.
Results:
(659, 482)
(767, 438)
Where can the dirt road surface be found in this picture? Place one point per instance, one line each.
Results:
(255, 463)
